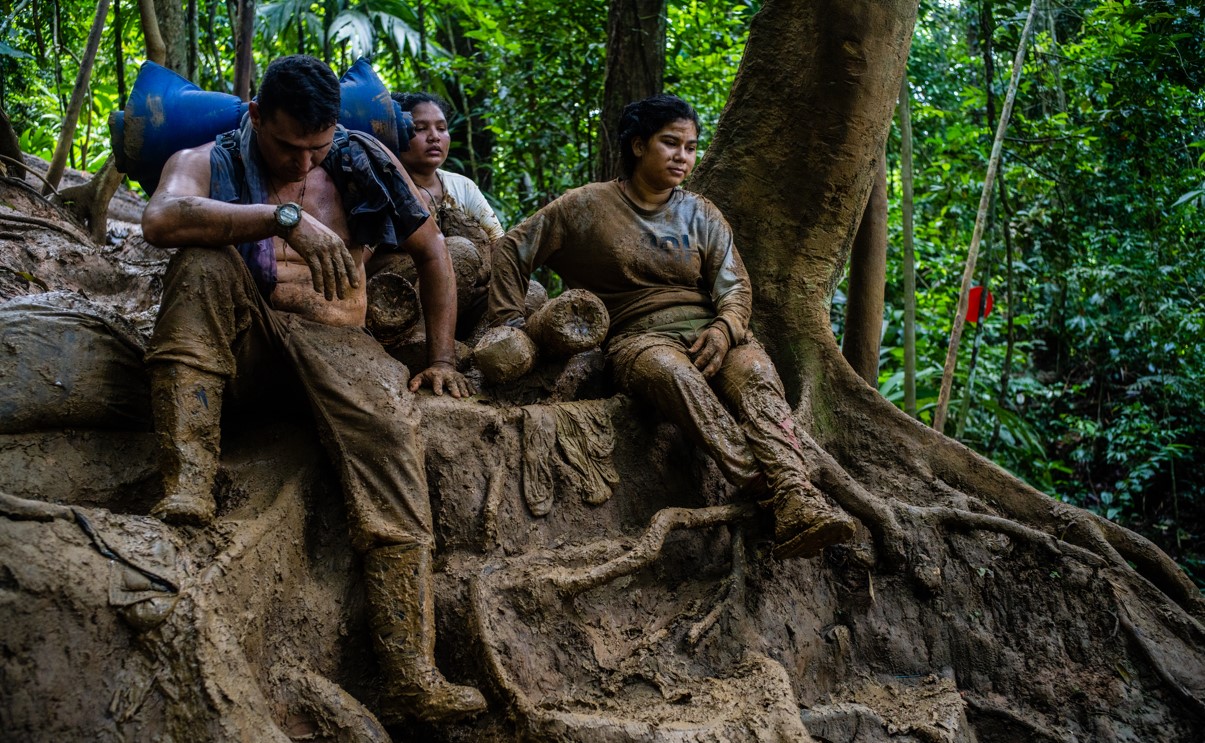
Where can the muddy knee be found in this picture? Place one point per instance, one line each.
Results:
(656, 369)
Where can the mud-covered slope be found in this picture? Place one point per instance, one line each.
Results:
(595, 579)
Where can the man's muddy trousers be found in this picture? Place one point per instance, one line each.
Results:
(214, 319)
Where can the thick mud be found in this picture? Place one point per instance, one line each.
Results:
(596, 578)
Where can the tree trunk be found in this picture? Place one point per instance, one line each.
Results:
(58, 162)
(10, 147)
(39, 39)
(635, 69)
(156, 49)
(244, 62)
(479, 140)
(947, 376)
(192, 53)
(987, 25)
(1010, 310)
(57, 39)
(424, 68)
(89, 202)
(119, 55)
(211, 39)
(173, 25)
(867, 282)
(845, 70)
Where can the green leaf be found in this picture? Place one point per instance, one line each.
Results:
(1194, 194)
(8, 51)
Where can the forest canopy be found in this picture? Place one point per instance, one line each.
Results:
(1087, 378)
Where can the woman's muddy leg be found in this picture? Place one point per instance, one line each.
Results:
(665, 376)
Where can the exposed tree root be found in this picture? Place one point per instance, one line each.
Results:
(44, 224)
(953, 489)
(25, 186)
(339, 715)
(21, 509)
(872, 510)
(648, 547)
(1160, 668)
(89, 202)
(635, 683)
(248, 537)
(959, 469)
(1036, 732)
(733, 591)
(18, 163)
(953, 518)
(495, 492)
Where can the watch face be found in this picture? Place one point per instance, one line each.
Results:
(288, 215)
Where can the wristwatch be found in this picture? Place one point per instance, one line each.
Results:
(288, 216)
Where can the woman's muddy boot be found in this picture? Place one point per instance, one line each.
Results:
(804, 523)
(187, 405)
(401, 609)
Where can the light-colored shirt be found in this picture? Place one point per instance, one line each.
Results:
(462, 194)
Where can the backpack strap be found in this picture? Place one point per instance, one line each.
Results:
(227, 174)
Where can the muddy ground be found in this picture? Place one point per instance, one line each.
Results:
(595, 577)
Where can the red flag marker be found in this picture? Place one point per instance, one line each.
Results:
(973, 304)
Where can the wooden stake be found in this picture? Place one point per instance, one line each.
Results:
(909, 250)
(947, 376)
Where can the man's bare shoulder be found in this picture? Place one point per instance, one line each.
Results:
(186, 173)
(190, 155)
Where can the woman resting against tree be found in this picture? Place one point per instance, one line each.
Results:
(663, 262)
(445, 191)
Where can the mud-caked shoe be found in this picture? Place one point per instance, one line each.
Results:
(401, 613)
(187, 406)
(804, 524)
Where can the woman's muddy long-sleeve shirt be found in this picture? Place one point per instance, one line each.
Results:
(636, 261)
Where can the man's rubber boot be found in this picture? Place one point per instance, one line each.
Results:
(804, 524)
(187, 406)
(401, 608)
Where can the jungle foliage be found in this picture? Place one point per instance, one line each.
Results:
(1087, 379)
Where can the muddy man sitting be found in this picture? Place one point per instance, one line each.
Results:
(266, 292)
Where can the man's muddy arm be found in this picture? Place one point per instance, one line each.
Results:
(437, 294)
(437, 291)
(181, 214)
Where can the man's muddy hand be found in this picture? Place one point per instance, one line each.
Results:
(331, 265)
(440, 376)
(709, 350)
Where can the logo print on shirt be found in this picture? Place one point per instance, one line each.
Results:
(669, 244)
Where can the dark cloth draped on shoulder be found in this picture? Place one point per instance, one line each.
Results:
(381, 208)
